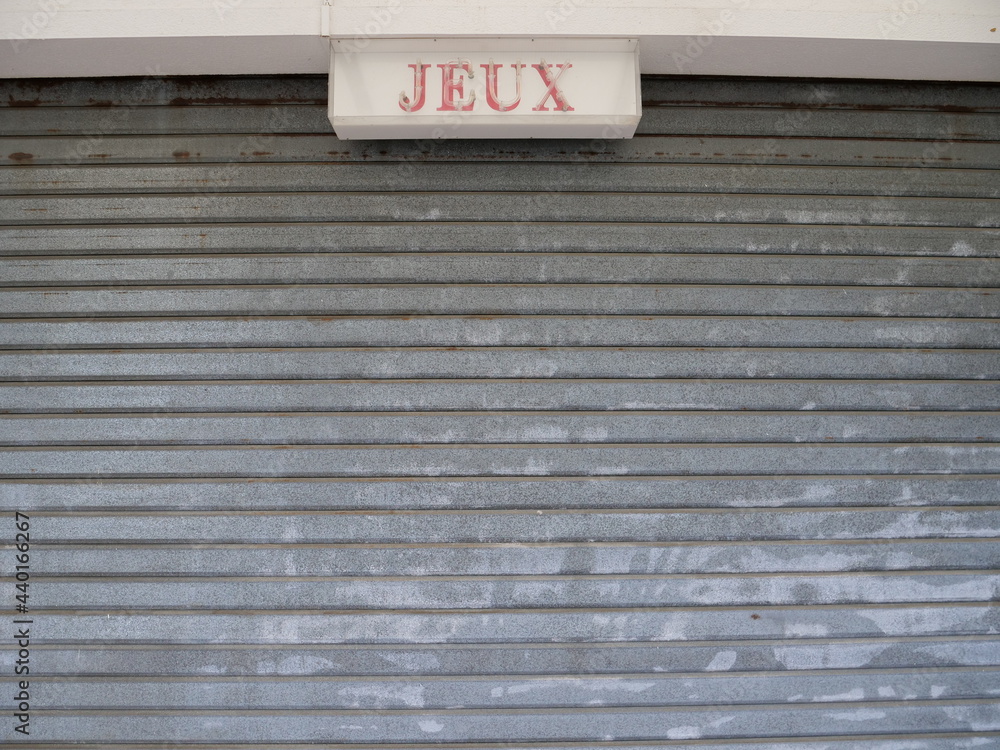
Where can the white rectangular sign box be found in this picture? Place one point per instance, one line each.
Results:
(485, 88)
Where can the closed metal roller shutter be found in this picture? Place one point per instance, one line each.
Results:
(683, 441)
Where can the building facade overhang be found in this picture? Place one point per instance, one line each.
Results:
(891, 39)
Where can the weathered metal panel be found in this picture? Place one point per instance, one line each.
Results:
(228, 91)
(66, 361)
(533, 559)
(485, 267)
(673, 120)
(794, 243)
(225, 150)
(517, 493)
(689, 440)
(546, 207)
(529, 330)
(519, 395)
(429, 427)
(389, 177)
(494, 299)
(491, 459)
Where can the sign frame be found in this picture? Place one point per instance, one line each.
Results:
(466, 88)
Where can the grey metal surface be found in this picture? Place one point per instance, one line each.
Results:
(58, 363)
(63, 360)
(299, 118)
(684, 441)
(778, 656)
(533, 493)
(502, 206)
(796, 242)
(639, 625)
(491, 330)
(527, 526)
(499, 426)
(225, 150)
(664, 395)
(675, 178)
(657, 92)
(593, 724)
(539, 559)
(505, 459)
(537, 691)
(455, 268)
(496, 299)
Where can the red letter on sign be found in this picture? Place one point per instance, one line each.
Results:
(419, 90)
(492, 94)
(545, 71)
(452, 87)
